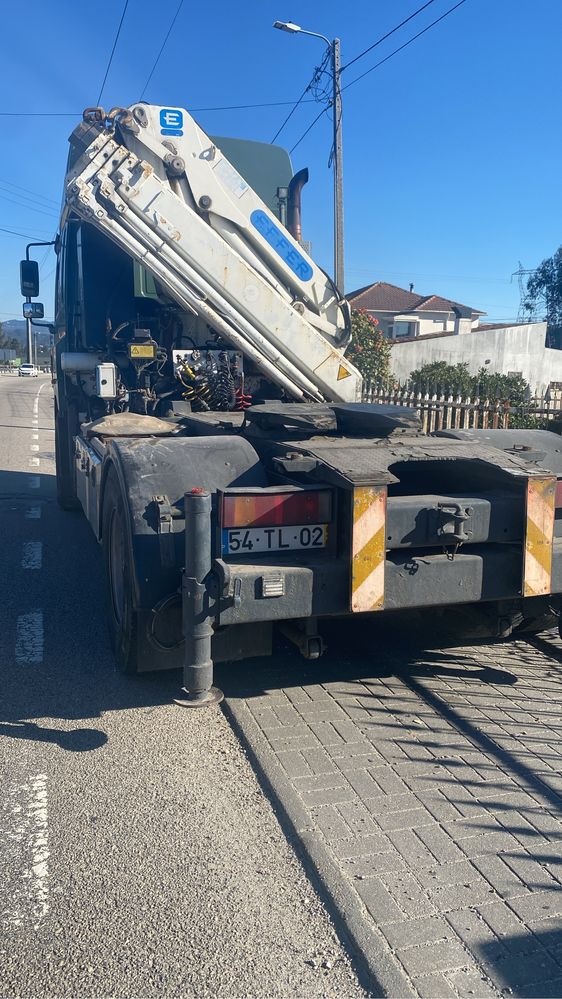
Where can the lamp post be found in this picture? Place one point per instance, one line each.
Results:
(334, 48)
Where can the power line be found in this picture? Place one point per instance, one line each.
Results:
(24, 235)
(9, 183)
(108, 67)
(25, 199)
(311, 126)
(225, 107)
(163, 46)
(388, 34)
(315, 77)
(376, 66)
(405, 45)
(29, 208)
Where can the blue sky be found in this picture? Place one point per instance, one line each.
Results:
(452, 148)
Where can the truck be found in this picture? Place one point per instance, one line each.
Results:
(211, 427)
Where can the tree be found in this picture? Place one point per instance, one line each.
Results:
(544, 290)
(369, 350)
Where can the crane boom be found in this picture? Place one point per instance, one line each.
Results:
(157, 185)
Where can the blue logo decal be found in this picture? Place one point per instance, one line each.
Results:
(171, 121)
(281, 245)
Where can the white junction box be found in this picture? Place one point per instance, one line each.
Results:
(106, 381)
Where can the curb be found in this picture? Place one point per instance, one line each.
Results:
(378, 971)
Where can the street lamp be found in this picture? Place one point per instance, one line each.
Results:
(334, 47)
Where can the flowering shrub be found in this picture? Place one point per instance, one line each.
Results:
(369, 350)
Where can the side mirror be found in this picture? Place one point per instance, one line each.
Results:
(33, 310)
(29, 278)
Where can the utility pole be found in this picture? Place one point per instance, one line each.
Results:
(338, 168)
(337, 152)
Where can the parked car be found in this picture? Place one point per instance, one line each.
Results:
(28, 371)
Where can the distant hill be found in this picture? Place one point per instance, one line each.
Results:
(17, 329)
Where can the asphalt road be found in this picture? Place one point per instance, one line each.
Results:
(139, 856)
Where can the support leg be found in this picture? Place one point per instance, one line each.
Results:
(198, 690)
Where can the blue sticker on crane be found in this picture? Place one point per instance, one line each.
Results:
(281, 245)
(171, 121)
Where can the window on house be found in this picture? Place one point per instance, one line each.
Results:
(403, 328)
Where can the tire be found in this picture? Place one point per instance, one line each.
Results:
(66, 487)
(125, 623)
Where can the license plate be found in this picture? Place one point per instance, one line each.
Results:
(246, 540)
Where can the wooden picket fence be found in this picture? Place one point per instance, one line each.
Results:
(439, 411)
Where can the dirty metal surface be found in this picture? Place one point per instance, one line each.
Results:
(426, 789)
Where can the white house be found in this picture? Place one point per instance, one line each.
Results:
(406, 315)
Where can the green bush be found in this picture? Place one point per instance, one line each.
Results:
(455, 379)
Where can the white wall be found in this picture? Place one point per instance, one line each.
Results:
(512, 348)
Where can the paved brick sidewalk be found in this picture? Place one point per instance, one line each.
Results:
(435, 788)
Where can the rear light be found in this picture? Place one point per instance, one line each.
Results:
(273, 509)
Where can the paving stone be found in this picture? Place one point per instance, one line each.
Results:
(410, 846)
(542, 990)
(360, 846)
(388, 862)
(362, 782)
(414, 818)
(440, 844)
(513, 933)
(317, 759)
(444, 955)
(477, 936)
(472, 984)
(430, 986)
(328, 796)
(531, 872)
(501, 877)
(319, 782)
(406, 890)
(438, 806)
(414, 932)
(378, 900)
(453, 850)
(548, 932)
(488, 843)
(460, 896)
(524, 969)
(294, 764)
(357, 817)
(447, 874)
(326, 733)
(350, 754)
(329, 820)
(292, 741)
(538, 905)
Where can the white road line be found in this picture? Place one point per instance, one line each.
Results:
(38, 815)
(29, 638)
(34, 481)
(34, 512)
(34, 447)
(34, 461)
(26, 824)
(32, 555)
(35, 437)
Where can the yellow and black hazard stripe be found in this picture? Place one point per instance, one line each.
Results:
(368, 548)
(539, 532)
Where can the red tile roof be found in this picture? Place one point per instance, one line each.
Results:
(383, 297)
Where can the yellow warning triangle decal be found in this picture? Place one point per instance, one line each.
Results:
(343, 373)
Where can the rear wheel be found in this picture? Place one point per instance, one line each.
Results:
(124, 620)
